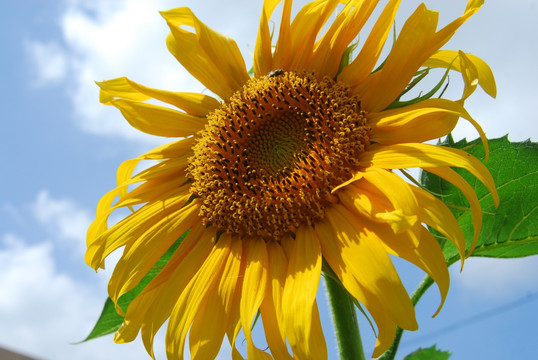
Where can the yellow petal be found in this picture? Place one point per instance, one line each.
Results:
(386, 329)
(284, 41)
(254, 285)
(156, 175)
(205, 341)
(273, 332)
(427, 255)
(304, 271)
(399, 194)
(138, 258)
(365, 268)
(102, 241)
(317, 339)
(158, 120)
(162, 171)
(234, 325)
(415, 123)
(333, 250)
(446, 33)
(398, 220)
(180, 149)
(149, 191)
(355, 73)
(158, 184)
(193, 103)
(170, 150)
(234, 320)
(457, 180)
(406, 56)
(210, 57)
(355, 177)
(296, 41)
(228, 286)
(149, 310)
(193, 297)
(263, 56)
(426, 120)
(443, 35)
(431, 255)
(366, 199)
(434, 213)
(271, 307)
(343, 29)
(417, 41)
(470, 76)
(445, 59)
(425, 156)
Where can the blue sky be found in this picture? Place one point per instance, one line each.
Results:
(61, 150)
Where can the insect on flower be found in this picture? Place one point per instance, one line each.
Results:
(275, 73)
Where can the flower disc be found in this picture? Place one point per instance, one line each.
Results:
(270, 156)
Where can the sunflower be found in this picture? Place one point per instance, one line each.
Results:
(285, 168)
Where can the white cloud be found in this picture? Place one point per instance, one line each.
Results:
(49, 60)
(496, 279)
(115, 40)
(104, 40)
(63, 218)
(44, 311)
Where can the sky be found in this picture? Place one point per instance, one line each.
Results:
(61, 149)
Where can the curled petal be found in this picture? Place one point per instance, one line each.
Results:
(212, 58)
(448, 59)
(158, 120)
(417, 41)
(403, 156)
(296, 42)
(124, 88)
(263, 56)
(330, 48)
(358, 70)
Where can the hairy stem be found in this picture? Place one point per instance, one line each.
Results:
(345, 321)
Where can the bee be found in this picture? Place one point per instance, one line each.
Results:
(275, 73)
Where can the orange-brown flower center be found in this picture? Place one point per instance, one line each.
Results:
(270, 156)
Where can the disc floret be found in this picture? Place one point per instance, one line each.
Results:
(270, 156)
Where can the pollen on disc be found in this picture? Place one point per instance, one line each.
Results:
(271, 154)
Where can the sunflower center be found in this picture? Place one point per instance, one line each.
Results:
(270, 156)
(275, 143)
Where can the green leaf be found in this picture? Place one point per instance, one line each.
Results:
(110, 321)
(431, 353)
(511, 230)
(346, 56)
(419, 76)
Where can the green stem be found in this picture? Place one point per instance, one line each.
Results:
(345, 321)
(417, 294)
